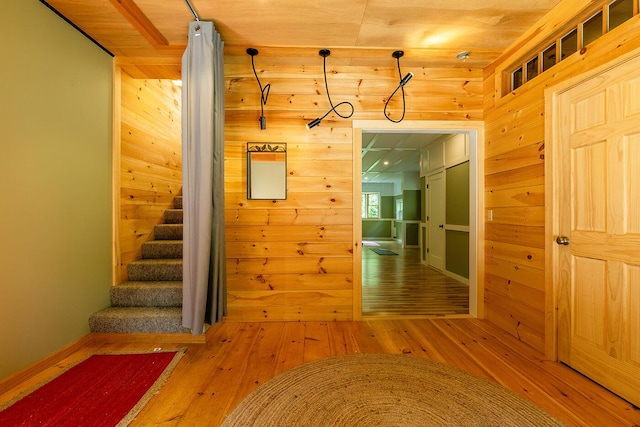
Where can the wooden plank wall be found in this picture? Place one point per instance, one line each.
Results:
(293, 259)
(514, 175)
(151, 160)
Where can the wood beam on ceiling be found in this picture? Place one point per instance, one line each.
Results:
(139, 20)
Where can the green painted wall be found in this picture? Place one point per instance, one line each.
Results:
(457, 194)
(423, 198)
(395, 198)
(56, 108)
(411, 200)
(373, 228)
(412, 234)
(457, 213)
(457, 252)
(387, 207)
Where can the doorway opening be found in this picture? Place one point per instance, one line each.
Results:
(408, 234)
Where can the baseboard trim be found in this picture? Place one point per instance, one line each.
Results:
(394, 316)
(100, 338)
(25, 374)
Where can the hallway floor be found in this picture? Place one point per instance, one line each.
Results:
(399, 285)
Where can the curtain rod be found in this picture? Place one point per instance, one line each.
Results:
(193, 11)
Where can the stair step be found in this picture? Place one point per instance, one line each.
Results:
(151, 302)
(147, 294)
(168, 232)
(162, 249)
(155, 270)
(153, 320)
(173, 216)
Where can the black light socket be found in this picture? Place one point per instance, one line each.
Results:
(313, 123)
(263, 122)
(406, 79)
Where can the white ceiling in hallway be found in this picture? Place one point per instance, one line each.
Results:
(386, 156)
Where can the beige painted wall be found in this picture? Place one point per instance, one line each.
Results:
(55, 171)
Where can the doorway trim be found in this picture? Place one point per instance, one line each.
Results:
(475, 130)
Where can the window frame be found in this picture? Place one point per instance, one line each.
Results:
(366, 204)
(518, 73)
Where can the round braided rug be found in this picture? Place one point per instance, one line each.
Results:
(383, 390)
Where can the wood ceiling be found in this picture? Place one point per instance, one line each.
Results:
(148, 37)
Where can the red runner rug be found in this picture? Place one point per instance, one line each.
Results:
(102, 390)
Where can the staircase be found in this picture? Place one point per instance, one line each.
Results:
(151, 301)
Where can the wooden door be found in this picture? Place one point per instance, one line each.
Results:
(597, 183)
(436, 236)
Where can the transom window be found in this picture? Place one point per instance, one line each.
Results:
(610, 15)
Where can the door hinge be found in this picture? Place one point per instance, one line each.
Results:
(427, 186)
(427, 217)
(427, 250)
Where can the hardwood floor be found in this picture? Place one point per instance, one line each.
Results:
(399, 285)
(212, 378)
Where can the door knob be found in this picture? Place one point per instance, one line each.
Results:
(562, 240)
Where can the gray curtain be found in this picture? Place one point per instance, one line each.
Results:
(204, 275)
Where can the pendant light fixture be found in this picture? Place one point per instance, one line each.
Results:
(315, 122)
(264, 91)
(403, 81)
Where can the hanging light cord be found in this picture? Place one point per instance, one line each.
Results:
(264, 91)
(333, 107)
(401, 87)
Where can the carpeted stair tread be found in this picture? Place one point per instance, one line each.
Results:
(120, 320)
(151, 301)
(147, 294)
(162, 249)
(173, 216)
(168, 231)
(155, 269)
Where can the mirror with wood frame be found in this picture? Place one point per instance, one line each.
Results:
(266, 171)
